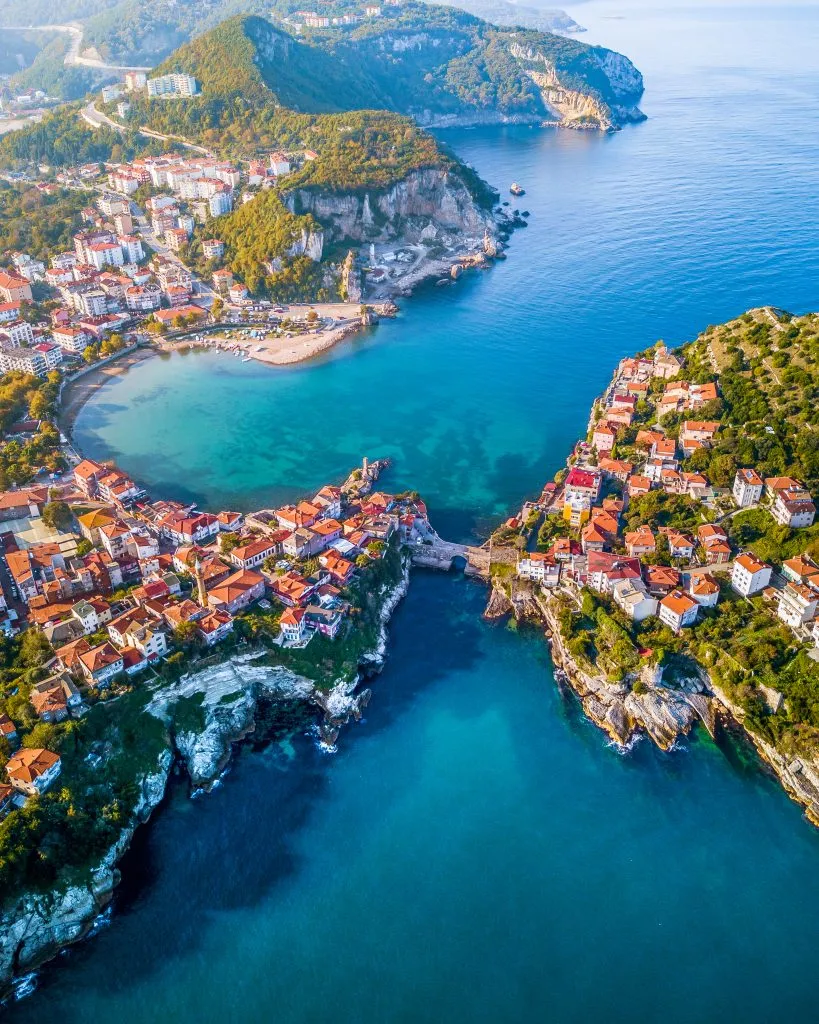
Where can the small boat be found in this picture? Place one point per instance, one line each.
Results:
(247, 359)
(516, 189)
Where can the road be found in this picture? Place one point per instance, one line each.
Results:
(202, 289)
(97, 119)
(73, 56)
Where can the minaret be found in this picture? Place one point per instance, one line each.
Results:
(365, 468)
(200, 583)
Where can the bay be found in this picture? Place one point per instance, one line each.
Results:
(475, 851)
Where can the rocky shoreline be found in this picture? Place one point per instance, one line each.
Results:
(664, 713)
(38, 926)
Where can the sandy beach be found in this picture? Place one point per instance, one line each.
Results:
(77, 393)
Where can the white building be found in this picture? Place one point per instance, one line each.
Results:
(27, 360)
(749, 576)
(677, 610)
(747, 488)
(279, 164)
(220, 203)
(52, 354)
(94, 302)
(704, 589)
(135, 80)
(541, 568)
(793, 507)
(18, 332)
(105, 254)
(132, 250)
(797, 605)
(172, 85)
(633, 600)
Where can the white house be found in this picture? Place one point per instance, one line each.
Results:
(797, 605)
(631, 597)
(747, 489)
(704, 589)
(793, 507)
(32, 770)
(749, 576)
(540, 567)
(677, 610)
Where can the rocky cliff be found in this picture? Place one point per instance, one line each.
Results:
(662, 712)
(229, 699)
(573, 107)
(428, 205)
(38, 925)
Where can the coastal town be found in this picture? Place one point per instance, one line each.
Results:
(678, 583)
(128, 591)
(125, 277)
(667, 572)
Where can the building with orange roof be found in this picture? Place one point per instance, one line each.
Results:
(704, 588)
(254, 552)
(661, 579)
(749, 575)
(637, 485)
(801, 570)
(215, 626)
(294, 625)
(32, 770)
(640, 542)
(100, 664)
(797, 605)
(677, 610)
(237, 592)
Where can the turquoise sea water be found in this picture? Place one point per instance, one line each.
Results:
(475, 851)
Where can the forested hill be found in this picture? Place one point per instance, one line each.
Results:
(435, 63)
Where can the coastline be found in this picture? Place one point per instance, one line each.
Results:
(289, 351)
(39, 926)
(76, 393)
(645, 702)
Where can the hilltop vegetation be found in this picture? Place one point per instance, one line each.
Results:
(36, 223)
(769, 382)
(62, 139)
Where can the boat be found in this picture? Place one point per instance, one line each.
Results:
(516, 189)
(246, 359)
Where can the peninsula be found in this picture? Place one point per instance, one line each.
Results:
(674, 563)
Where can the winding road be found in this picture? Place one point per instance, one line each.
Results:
(73, 57)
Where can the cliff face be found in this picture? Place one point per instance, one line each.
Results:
(574, 107)
(662, 712)
(37, 926)
(428, 204)
(230, 696)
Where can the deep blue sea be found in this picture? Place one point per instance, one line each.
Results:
(475, 851)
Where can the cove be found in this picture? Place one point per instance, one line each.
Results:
(474, 851)
(478, 390)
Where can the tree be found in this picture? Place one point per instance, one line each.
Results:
(217, 309)
(228, 541)
(89, 353)
(35, 649)
(57, 515)
(39, 407)
(186, 634)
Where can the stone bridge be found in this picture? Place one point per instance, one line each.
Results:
(440, 554)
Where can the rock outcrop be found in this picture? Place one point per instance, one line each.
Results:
(571, 107)
(663, 713)
(429, 198)
(228, 695)
(38, 925)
